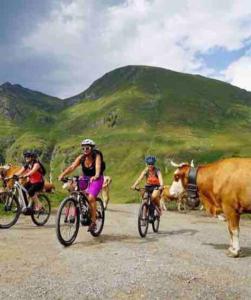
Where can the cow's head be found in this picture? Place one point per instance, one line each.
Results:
(70, 185)
(180, 178)
(3, 171)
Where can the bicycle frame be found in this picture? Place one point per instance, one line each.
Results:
(18, 190)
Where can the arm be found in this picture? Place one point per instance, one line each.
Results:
(71, 168)
(142, 175)
(97, 167)
(21, 171)
(35, 168)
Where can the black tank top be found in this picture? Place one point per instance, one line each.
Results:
(91, 171)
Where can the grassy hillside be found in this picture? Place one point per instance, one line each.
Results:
(137, 110)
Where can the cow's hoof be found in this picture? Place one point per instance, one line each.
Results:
(233, 253)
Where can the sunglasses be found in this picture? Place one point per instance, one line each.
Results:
(86, 147)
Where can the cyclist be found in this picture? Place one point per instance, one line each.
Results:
(154, 180)
(92, 180)
(34, 171)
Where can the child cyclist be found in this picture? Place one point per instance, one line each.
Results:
(154, 180)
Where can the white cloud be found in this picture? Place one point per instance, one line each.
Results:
(89, 39)
(239, 73)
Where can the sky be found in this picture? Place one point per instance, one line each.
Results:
(59, 47)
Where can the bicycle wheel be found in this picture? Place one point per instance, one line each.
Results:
(67, 221)
(41, 214)
(100, 218)
(143, 219)
(156, 221)
(9, 210)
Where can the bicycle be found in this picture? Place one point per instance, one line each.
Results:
(75, 209)
(16, 200)
(148, 212)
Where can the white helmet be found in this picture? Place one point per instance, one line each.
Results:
(88, 142)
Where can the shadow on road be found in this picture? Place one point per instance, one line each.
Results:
(108, 238)
(246, 251)
(177, 232)
(31, 227)
(118, 211)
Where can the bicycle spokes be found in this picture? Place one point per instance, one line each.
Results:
(9, 210)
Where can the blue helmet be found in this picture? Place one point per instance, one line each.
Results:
(150, 160)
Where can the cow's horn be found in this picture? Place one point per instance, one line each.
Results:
(192, 163)
(174, 164)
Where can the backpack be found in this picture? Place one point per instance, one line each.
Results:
(42, 168)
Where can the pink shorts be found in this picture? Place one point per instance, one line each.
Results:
(93, 187)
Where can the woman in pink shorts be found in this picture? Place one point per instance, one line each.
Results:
(93, 166)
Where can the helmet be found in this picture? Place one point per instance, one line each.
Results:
(150, 160)
(88, 142)
(29, 153)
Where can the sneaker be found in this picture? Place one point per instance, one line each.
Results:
(27, 210)
(72, 219)
(92, 227)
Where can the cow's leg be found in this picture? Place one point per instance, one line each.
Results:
(233, 227)
(179, 204)
(162, 204)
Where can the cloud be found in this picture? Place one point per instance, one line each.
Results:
(238, 73)
(86, 38)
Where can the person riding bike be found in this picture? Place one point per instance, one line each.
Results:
(34, 171)
(93, 166)
(154, 180)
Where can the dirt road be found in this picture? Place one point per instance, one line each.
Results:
(186, 260)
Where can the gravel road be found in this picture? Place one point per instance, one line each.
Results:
(185, 260)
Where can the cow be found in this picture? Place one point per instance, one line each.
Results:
(223, 186)
(10, 170)
(166, 196)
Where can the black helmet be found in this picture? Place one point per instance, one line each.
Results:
(29, 153)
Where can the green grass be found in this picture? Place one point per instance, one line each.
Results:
(135, 111)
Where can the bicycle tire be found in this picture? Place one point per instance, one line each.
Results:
(100, 215)
(61, 239)
(4, 207)
(35, 215)
(145, 220)
(155, 223)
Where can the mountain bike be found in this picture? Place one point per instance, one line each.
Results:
(75, 210)
(14, 201)
(148, 212)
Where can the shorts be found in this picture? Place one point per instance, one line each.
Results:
(93, 188)
(32, 188)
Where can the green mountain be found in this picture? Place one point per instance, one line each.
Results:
(134, 111)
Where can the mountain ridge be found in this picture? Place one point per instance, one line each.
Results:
(131, 112)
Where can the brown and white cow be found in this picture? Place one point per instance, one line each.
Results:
(223, 186)
(167, 196)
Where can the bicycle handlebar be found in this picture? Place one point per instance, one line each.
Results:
(14, 177)
(66, 179)
(145, 188)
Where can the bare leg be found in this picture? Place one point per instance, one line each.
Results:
(92, 202)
